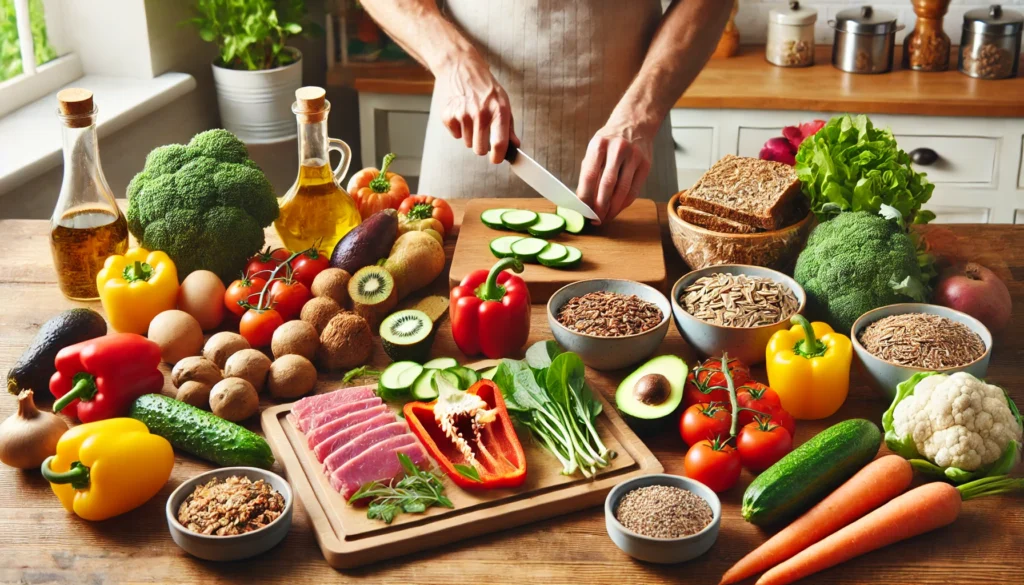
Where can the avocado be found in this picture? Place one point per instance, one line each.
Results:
(35, 366)
(366, 243)
(648, 397)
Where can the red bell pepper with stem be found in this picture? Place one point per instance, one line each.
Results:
(100, 378)
(490, 311)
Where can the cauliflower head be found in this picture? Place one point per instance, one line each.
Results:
(954, 425)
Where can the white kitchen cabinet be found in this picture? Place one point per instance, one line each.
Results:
(394, 123)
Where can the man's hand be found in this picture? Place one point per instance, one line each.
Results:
(615, 167)
(478, 109)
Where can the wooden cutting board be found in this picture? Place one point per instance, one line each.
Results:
(349, 539)
(628, 247)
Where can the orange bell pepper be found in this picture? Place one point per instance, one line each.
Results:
(375, 190)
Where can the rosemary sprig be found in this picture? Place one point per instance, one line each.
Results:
(413, 494)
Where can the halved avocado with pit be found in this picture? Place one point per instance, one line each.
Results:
(648, 397)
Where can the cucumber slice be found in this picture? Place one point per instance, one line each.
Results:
(571, 260)
(527, 249)
(441, 363)
(492, 218)
(574, 221)
(399, 377)
(519, 219)
(502, 247)
(423, 388)
(553, 254)
(447, 376)
(467, 377)
(548, 225)
(488, 374)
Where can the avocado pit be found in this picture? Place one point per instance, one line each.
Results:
(652, 389)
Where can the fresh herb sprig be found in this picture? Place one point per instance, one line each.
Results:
(413, 494)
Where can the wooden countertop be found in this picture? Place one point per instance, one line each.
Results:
(749, 82)
(44, 544)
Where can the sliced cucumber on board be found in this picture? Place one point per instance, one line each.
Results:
(488, 374)
(572, 258)
(548, 225)
(492, 218)
(423, 388)
(467, 377)
(441, 363)
(574, 221)
(527, 249)
(502, 247)
(448, 376)
(519, 219)
(552, 254)
(399, 377)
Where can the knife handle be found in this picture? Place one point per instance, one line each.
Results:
(511, 152)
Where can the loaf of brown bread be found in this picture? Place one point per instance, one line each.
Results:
(713, 222)
(750, 191)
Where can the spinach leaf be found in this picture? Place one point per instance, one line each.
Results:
(540, 354)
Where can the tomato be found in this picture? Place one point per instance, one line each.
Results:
(424, 206)
(756, 396)
(785, 420)
(287, 296)
(243, 290)
(258, 325)
(762, 443)
(706, 383)
(264, 262)
(306, 266)
(714, 464)
(704, 421)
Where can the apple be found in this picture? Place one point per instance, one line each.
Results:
(973, 289)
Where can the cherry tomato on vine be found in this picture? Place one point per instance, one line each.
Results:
(714, 464)
(756, 396)
(265, 261)
(762, 443)
(258, 325)
(706, 383)
(306, 266)
(785, 420)
(287, 297)
(245, 289)
(704, 421)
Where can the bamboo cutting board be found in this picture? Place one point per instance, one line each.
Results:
(628, 247)
(349, 539)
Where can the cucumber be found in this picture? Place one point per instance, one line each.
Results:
(441, 363)
(552, 254)
(423, 388)
(527, 249)
(519, 219)
(574, 220)
(492, 218)
(448, 376)
(399, 377)
(502, 247)
(810, 472)
(488, 374)
(201, 433)
(548, 225)
(572, 258)
(467, 377)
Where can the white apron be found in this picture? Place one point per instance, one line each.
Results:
(564, 64)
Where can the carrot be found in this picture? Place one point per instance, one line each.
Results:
(880, 481)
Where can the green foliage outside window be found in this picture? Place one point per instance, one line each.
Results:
(10, 51)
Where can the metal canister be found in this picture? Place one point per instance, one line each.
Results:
(865, 39)
(990, 43)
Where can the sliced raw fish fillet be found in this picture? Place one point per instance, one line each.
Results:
(317, 435)
(379, 463)
(305, 407)
(367, 421)
(339, 411)
(367, 440)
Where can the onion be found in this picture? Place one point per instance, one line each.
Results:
(29, 436)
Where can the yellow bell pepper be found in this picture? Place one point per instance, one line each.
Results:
(136, 287)
(106, 468)
(809, 367)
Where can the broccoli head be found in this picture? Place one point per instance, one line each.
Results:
(857, 262)
(205, 203)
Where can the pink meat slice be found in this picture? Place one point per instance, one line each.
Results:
(361, 443)
(378, 463)
(340, 411)
(305, 408)
(367, 421)
(317, 435)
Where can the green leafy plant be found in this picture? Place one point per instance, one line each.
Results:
(412, 494)
(251, 34)
(10, 51)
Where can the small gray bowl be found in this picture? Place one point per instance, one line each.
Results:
(609, 353)
(746, 344)
(239, 546)
(662, 550)
(887, 376)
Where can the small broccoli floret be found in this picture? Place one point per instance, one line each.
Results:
(856, 262)
(221, 145)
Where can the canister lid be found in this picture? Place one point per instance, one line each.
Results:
(794, 14)
(865, 20)
(993, 21)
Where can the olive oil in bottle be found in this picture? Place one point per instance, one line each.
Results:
(86, 226)
(316, 210)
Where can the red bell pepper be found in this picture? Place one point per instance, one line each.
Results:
(490, 311)
(491, 446)
(100, 378)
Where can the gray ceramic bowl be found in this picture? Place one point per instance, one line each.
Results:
(744, 343)
(662, 550)
(885, 375)
(230, 548)
(609, 353)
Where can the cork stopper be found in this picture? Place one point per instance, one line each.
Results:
(310, 104)
(75, 107)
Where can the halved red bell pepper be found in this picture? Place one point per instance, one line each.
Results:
(493, 448)
(490, 311)
(100, 378)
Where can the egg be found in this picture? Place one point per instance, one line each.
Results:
(177, 333)
(202, 295)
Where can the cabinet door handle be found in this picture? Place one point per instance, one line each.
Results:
(924, 156)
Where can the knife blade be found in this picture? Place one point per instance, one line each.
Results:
(537, 177)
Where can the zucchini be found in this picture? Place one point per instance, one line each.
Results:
(502, 247)
(548, 225)
(574, 220)
(201, 433)
(553, 254)
(492, 218)
(519, 219)
(441, 363)
(810, 472)
(527, 249)
(398, 378)
(572, 258)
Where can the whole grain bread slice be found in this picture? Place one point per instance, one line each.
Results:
(713, 222)
(746, 190)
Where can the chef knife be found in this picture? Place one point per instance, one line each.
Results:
(545, 183)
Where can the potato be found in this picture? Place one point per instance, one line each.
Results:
(234, 399)
(177, 333)
(291, 376)
(195, 369)
(195, 393)
(202, 295)
(295, 337)
(250, 365)
(222, 345)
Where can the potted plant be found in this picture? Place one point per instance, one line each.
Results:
(255, 74)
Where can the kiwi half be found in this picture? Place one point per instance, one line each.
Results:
(407, 336)
(372, 289)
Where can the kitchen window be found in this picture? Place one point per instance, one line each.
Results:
(33, 59)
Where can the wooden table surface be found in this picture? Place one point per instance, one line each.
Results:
(748, 82)
(42, 543)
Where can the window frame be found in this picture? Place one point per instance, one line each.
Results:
(35, 81)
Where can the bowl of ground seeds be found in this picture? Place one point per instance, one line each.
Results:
(895, 342)
(662, 518)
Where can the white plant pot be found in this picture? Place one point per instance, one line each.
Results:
(256, 106)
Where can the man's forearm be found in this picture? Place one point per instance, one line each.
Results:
(420, 29)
